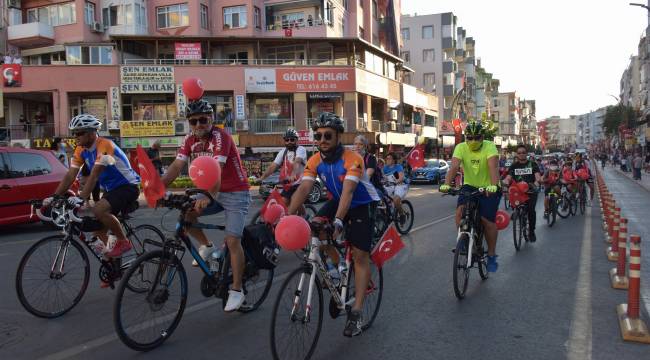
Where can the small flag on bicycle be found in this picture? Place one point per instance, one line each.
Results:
(389, 245)
(152, 186)
(274, 198)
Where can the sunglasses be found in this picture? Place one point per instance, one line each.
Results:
(202, 120)
(327, 136)
(290, 139)
(473, 137)
(80, 133)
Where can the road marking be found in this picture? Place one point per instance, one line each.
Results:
(579, 344)
(418, 228)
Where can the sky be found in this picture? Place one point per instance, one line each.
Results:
(568, 55)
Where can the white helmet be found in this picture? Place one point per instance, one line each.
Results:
(84, 121)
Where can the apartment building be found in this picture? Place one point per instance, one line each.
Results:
(528, 128)
(265, 66)
(506, 112)
(558, 134)
(589, 128)
(487, 88)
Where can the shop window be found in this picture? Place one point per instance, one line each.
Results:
(89, 55)
(55, 15)
(329, 13)
(95, 105)
(240, 57)
(173, 16)
(234, 17)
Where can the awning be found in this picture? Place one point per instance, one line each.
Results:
(42, 50)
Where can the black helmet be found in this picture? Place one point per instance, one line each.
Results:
(328, 120)
(198, 107)
(290, 134)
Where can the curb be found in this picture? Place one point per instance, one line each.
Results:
(629, 176)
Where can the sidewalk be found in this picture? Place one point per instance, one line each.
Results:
(645, 178)
(254, 191)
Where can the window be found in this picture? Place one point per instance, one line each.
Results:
(24, 165)
(173, 16)
(361, 32)
(234, 17)
(55, 15)
(89, 55)
(375, 10)
(406, 34)
(239, 57)
(406, 56)
(89, 13)
(428, 55)
(341, 25)
(429, 80)
(407, 78)
(257, 17)
(495, 102)
(361, 4)
(427, 32)
(124, 15)
(204, 17)
(329, 13)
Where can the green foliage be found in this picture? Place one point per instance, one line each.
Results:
(618, 115)
(182, 182)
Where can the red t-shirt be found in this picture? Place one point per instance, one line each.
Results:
(220, 146)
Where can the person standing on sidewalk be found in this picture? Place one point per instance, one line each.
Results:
(637, 164)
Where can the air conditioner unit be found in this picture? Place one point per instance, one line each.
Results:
(241, 125)
(97, 27)
(182, 127)
(393, 114)
(14, 4)
(393, 126)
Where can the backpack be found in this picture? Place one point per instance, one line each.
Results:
(259, 245)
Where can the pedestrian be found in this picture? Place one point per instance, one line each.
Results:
(623, 164)
(26, 124)
(310, 20)
(58, 148)
(637, 163)
(647, 162)
(154, 155)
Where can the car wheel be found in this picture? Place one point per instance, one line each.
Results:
(314, 195)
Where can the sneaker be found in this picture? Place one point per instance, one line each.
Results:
(235, 300)
(204, 251)
(353, 325)
(532, 237)
(545, 215)
(121, 246)
(492, 264)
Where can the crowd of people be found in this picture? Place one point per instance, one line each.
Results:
(627, 161)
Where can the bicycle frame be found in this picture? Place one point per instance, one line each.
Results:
(470, 221)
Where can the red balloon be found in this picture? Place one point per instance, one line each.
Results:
(193, 88)
(583, 174)
(502, 219)
(523, 186)
(292, 233)
(205, 172)
(273, 214)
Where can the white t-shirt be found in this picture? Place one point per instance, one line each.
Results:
(301, 153)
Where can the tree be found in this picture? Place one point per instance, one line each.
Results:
(618, 115)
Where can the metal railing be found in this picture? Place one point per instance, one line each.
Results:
(299, 24)
(26, 131)
(270, 126)
(285, 62)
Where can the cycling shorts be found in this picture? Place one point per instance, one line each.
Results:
(487, 205)
(358, 228)
(548, 187)
(122, 197)
(399, 190)
(287, 194)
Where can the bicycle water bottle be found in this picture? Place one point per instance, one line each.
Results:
(215, 259)
(97, 246)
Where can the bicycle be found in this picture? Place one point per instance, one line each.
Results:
(300, 298)
(469, 241)
(165, 282)
(60, 262)
(520, 216)
(387, 213)
(582, 196)
(567, 204)
(551, 215)
(309, 210)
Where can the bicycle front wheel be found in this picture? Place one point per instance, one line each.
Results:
(295, 324)
(52, 277)
(144, 320)
(563, 206)
(461, 272)
(517, 229)
(573, 201)
(372, 295)
(404, 221)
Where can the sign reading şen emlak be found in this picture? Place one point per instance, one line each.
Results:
(147, 128)
(146, 79)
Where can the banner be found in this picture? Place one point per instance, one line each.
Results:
(305, 137)
(260, 80)
(181, 101)
(146, 79)
(12, 75)
(146, 142)
(311, 79)
(147, 128)
(240, 107)
(187, 51)
(115, 105)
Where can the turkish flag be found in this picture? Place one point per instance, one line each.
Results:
(389, 245)
(152, 186)
(416, 157)
(285, 173)
(457, 125)
(274, 198)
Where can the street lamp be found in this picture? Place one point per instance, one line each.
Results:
(647, 7)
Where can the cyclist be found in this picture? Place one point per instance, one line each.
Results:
(109, 166)
(231, 192)
(479, 159)
(394, 177)
(370, 163)
(551, 181)
(292, 162)
(345, 178)
(582, 163)
(568, 175)
(524, 169)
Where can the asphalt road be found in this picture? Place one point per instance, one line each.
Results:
(552, 300)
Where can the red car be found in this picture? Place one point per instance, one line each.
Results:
(25, 175)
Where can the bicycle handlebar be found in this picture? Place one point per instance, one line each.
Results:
(184, 201)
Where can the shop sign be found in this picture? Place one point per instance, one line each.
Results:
(147, 128)
(46, 142)
(260, 80)
(12, 75)
(146, 79)
(324, 95)
(240, 107)
(410, 94)
(116, 108)
(181, 101)
(315, 80)
(448, 141)
(187, 51)
(305, 137)
(146, 142)
(446, 127)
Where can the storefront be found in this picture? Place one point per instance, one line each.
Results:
(270, 113)
(318, 103)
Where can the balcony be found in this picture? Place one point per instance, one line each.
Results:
(270, 126)
(274, 62)
(26, 131)
(448, 67)
(448, 90)
(448, 43)
(30, 35)
(126, 30)
(301, 28)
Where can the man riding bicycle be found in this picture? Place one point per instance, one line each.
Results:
(480, 161)
(109, 166)
(582, 163)
(343, 172)
(395, 181)
(523, 169)
(231, 193)
(292, 162)
(551, 180)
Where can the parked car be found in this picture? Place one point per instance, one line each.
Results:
(434, 171)
(25, 175)
(318, 192)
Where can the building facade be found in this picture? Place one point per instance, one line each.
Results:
(558, 134)
(589, 128)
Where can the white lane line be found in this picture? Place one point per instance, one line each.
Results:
(579, 343)
(418, 228)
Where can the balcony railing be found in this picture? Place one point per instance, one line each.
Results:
(283, 62)
(270, 126)
(26, 131)
(296, 24)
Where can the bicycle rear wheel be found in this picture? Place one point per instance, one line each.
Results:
(573, 201)
(372, 297)
(461, 272)
(45, 291)
(552, 211)
(506, 202)
(404, 221)
(294, 335)
(144, 320)
(256, 284)
(380, 224)
(517, 229)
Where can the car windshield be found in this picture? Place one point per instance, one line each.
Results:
(432, 163)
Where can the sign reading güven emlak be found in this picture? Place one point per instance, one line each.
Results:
(146, 79)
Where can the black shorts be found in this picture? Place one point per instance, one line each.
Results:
(358, 229)
(122, 197)
(287, 194)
